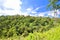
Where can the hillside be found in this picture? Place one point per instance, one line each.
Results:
(24, 26)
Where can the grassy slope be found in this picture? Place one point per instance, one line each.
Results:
(52, 34)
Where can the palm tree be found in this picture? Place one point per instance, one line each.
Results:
(54, 5)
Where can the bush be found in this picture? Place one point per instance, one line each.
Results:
(52, 34)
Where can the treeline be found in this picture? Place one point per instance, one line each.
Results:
(23, 25)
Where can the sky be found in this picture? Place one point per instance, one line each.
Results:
(25, 7)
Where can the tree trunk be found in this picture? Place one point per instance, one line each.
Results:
(55, 16)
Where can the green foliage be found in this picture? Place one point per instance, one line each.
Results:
(54, 4)
(52, 34)
(25, 27)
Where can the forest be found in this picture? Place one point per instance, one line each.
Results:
(29, 28)
(20, 27)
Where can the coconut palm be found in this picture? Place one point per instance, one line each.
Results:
(54, 5)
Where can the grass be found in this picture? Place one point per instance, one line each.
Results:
(52, 34)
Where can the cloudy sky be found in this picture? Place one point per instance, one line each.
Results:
(25, 7)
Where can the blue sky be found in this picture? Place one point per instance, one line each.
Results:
(25, 7)
(35, 3)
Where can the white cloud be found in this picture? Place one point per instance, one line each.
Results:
(37, 8)
(11, 4)
(16, 6)
(31, 10)
(2, 2)
(49, 13)
(25, 14)
(41, 14)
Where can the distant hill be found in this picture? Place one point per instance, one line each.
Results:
(11, 26)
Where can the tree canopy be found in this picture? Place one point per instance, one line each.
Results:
(20, 25)
(54, 4)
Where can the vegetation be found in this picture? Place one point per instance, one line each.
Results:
(52, 34)
(54, 5)
(29, 28)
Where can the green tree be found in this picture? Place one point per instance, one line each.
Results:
(54, 5)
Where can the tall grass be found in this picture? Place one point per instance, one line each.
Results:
(52, 34)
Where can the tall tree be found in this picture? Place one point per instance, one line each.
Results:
(54, 5)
